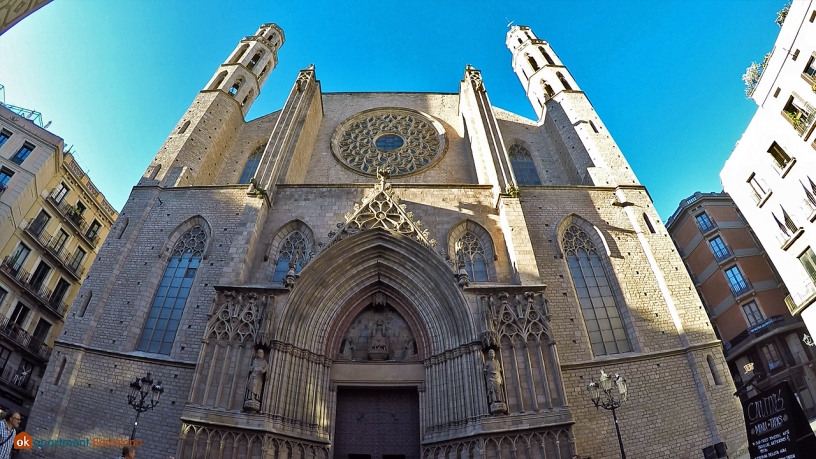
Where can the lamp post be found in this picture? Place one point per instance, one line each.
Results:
(139, 389)
(609, 393)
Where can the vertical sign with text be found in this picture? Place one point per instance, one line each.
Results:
(777, 426)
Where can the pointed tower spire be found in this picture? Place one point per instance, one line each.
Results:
(245, 71)
(194, 150)
(538, 68)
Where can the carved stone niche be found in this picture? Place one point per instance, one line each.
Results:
(378, 333)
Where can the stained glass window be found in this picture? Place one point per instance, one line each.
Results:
(471, 254)
(601, 315)
(168, 305)
(293, 251)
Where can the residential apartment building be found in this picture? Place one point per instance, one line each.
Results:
(743, 296)
(771, 174)
(52, 221)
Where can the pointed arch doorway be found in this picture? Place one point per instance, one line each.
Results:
(341, 285)
(377, 374)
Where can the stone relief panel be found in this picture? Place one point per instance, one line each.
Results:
(199, 441)
(381, 208)
(232, 367)
(379, 333)
(521, 365)
(553, 443)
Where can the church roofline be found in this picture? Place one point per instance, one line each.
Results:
(391, 92)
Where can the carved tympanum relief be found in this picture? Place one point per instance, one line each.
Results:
(379, 333)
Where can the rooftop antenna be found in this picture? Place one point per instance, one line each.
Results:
(509, 24)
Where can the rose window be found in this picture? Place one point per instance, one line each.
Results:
(399, 140)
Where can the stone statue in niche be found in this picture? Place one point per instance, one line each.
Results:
(378, 333)
(255, 382)
(378, 349)
(495, 384)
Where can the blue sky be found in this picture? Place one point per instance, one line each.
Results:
(114, 77)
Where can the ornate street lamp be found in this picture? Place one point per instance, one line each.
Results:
(139, 389)
(609, 393)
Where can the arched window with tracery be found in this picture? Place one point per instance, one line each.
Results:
(248, 97)
(473, 249)
(602, 317)
(294, 247)
(238, 54)
(218, 80)
(523, 167)
(251, 165)
(168, 304)
(263, 72)
(471, 255)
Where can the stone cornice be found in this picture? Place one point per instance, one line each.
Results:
(135, 355)
(637, 357)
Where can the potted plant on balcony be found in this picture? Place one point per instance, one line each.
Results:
(74, 214)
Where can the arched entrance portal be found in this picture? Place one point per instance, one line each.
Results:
(378, 306)
(377, 372)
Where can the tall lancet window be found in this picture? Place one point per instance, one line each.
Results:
(165, 313)
(294, 252)
(607, 334)
(471, 254)
(523, 167)
(251, 165)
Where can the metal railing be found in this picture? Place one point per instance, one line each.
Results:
(55, 246)
(722, 253)
(71, 214)
(801, 119)
(740, 290)
(796, 299)
(706, 225)
(14, 377)
(16, 334)
(23, 279)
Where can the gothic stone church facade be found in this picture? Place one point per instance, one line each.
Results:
(389, 275)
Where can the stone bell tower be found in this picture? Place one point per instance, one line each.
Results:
(565, 113)
(193, 151)
(538, 68)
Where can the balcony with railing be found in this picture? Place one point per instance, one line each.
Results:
(20, 380)
(723, 253)
(801, 298)
(43, 295)
(23, 339)
(800, 114)
(72, 262)
(706, 225)
(741, 288)
(73, 215)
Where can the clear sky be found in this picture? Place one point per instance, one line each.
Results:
(115, 76)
